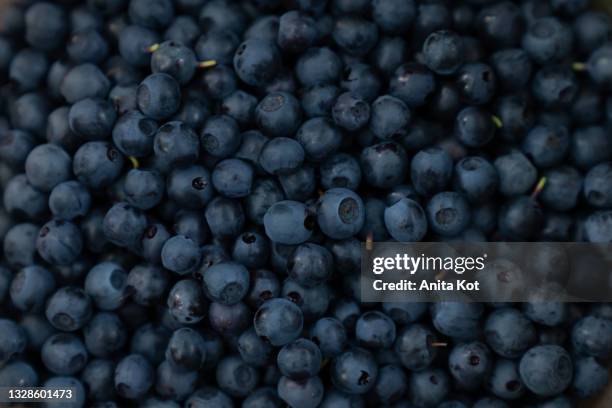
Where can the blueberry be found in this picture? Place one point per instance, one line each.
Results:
(133, 134)
(375, 330)
(174, 59)
(310, 265)
(505, 381)
(389, 117)
(221, 15)
(105, 334)
(28, 68)
(513, 68)
(383, 165)
(143, 189)
(20, 245)
(350, 112)
(98, 377)
(92, 119)
(589, 147)
(592, 29)
(547, 40)
(598, 68)
(443, 52)
(186, 301)
(263, 396)
(546, 370)
(18, 374)
(457, 320)
(589, 377)
(299, 360)
(554, 86)
(448, 213)
(226, 283)
(15, 145)
(312, 301)
(124, 225)
(84, 81)
(31, 287)
(240, 106)
(562, 189)
(155, 14)
(431, 170)
(278, 321)
(159, 96)
(329, 335)
(299, 185)
(69, 200)
(133, 376)
(190, 186)
(318, 66)
(59, 242)
(67, 382)
(209, 397)
(520, 218)
(150, 340)
(546, 313)
(355, 371)
(106, 285)
(235, 377)
(229, 320)
(474, 127)
(87, 45)
(340, 170)
(428, 387)
(546, 146)
(69, 308)
(476, 83)
(509, 333)
(254, 350)
(256, 61)
(361, 80)
(233, 178)
(296, 31)
(225, 217)
(123, 98)
(29, 113)
(340, 213)
(220, 136)
(174, 384)
(219, 81)
(97, 164)
(180, 255)
(21, 199)
(46, 25)
(301, 394)
(186, 350)
(596, 189)
(133, 43)
(517, 174)
(470, 364)
(393, 16)
(46, 166)
(569, 7)
(148, 283)
(175, 143)
(14, 340)
(218, 45)
(354, 35)
(590, 336)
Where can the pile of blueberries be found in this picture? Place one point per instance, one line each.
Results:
(187, 185)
